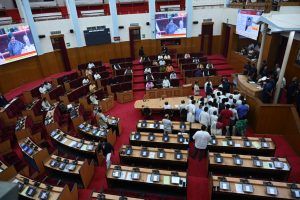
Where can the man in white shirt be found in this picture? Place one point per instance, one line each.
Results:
(160, 57)
(166, 83)
(173, 75)
(45, 105)
(97, 76)
(162, 62)
(94, 100)
(85, 81)
(117, 67)
(42, 89)
(201, 140)
(91, 65)
(204, 118)
(147, 70)
(48, 86)
(167, 106)
(209, 65)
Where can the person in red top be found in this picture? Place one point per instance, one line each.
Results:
(225, 116)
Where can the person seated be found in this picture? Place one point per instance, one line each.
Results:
(173, 75)
(205, 72)
(169, 68)
(3, 101)
(128, 71)
(200, 66)
(251, 53)
(147, 70)
(117, 67)
(62, 108)
(209, 65)
(167, 106)
(43, 89)
(247, 67)
(160, 57)
(196, 60)
(97, 76)
(88, 72)
(154, 63)
(102, 119)
(94, 100)
(244, 51)
(162, 68)
(167, 57)
(166, 83)
(149, 85)
(91, 65)
(85, 81)
(92, 88)
(252, 72)
(149, 77)
(164, 50)
(48, 86)
(198, 73)
(162, 62)
(45, 104)
(187, 56)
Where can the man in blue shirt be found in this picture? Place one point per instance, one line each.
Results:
(242, 110)
(171, 27)
(197, 112)
(14, 46)
(198, 73)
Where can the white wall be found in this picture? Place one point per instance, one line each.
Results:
(63, 25)
(8, 4)
(218, 15)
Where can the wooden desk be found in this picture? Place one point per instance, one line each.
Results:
(96, 133)
(150, 126)
(61, 193)
(158, 141)
(259, 192)
(82, 173)
(247, 168)
(185, 90)
(144, 183)
(33, 153)
(10, 111)
(239, 148)
(68, 144)
(34, 111)
(111, 196)
(158, 103)
(153, 159)
(251, 89)
(54, 94)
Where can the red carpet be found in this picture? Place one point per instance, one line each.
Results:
(198, 183)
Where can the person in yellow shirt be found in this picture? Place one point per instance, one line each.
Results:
(92, 88)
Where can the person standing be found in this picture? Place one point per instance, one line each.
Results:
(201, 138)
(167, 124)
(107, 149)
(191, 109)
(225, 116)
(204, 117)
(196, 89)
(141, 54)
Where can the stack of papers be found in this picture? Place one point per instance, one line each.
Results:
(166, 180)
(151, 155)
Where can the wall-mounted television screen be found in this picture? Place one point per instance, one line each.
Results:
(16, 43)
(245, 24)
(171, 24)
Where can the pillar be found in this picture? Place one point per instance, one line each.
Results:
(31, 23)
(71, 6)
(114, 16)
(284, 63)
(262, 46)
(152, 11)
(189, 11)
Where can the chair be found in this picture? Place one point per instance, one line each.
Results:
(146, 112)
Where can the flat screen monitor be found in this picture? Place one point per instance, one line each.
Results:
(170, 25)
(246, 25)
(16, 43)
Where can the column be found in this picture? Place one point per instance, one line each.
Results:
(284, 63)
(262, 46)
(114, 16)
(31, 23)
(152, 11)
(21, 11)
(74, 19)
(189, 11)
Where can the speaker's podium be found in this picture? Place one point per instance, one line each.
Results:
(125, 96)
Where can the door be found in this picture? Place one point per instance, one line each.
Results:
(58, 44)
(207, 37)
(226, 39)
(134, 35)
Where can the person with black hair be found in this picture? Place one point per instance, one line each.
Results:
(201, 138)
(3, 100)
(191, 108)
(225, 116)
(204, 118)
(14, 46)
(171, 27)
(107, 149)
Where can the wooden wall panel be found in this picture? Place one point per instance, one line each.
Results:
(293, 69)
(51, 63)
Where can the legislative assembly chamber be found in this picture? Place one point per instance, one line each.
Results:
(149, 99)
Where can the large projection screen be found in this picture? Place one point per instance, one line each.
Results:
(170, 25)
(16, 43)
(245, 25)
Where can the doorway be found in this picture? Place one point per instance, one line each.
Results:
(207, 37)
(226, 38)
(134, 35)
(58, 44)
